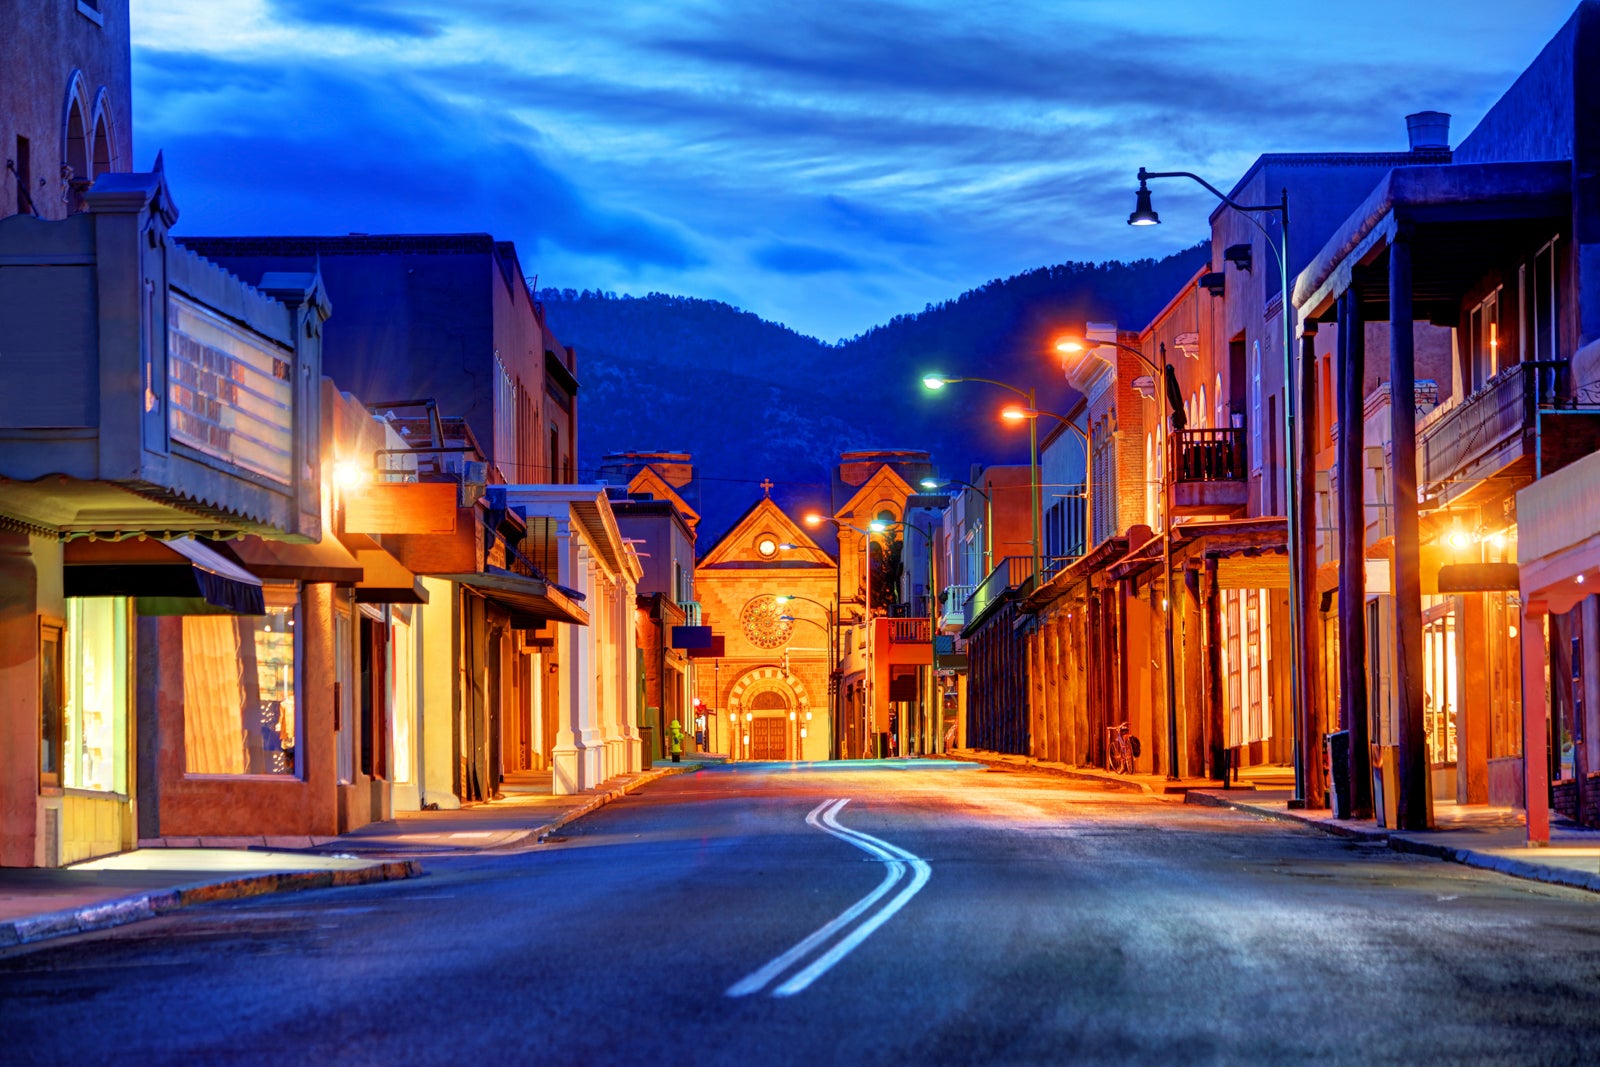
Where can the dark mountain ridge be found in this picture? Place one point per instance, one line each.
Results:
(753, 399)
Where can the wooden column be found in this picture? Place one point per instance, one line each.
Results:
(1216, 721)
(1193, 709)
(1535, 728)
(1412, 810)
(1351, 361)
(1314, 758)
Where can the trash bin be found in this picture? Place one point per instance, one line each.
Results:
(1338, 745)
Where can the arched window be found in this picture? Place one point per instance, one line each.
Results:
(1221, 418)
(1203, 412)
(103, 150)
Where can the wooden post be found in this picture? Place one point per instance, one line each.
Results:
(1535, 729)
(1351, 360)
(1216, 720)
(1412, 810)
(1305, 530)
(1194, 702)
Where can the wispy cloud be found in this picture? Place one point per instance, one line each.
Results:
(892, 152)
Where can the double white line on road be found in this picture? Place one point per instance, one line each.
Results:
(897, 863)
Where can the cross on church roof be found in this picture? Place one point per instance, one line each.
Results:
(766, 487)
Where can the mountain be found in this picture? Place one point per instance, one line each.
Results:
(754, 400)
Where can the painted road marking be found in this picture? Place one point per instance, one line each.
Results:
(897, 861)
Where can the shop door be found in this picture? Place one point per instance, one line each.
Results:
(1441, 694)
(768, 738)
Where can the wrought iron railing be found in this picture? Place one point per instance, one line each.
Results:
(1216, 455)
(1488, 419)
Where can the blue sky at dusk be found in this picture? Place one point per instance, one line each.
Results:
(825, 167)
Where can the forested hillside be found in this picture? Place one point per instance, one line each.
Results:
(752, 399)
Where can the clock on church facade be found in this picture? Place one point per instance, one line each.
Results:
(764, 625)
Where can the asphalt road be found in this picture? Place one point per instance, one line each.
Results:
(985, 917)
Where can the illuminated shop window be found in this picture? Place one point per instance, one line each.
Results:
(239, 686)
(95, 712)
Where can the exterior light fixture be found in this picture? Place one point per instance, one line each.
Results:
(1070, 346)
(1016, 414)
(1143, 214)
(782, 598)
(935, 381)
(813, 519)
(348, 474)
(1459, 538)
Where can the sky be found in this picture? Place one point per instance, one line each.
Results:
(825, 166)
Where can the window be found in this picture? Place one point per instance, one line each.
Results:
(50, 704)
(94, 727)
(1541, 305)
(1255, 409)
(239, 686)
(1483, 341)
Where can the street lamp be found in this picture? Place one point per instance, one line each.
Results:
(1016, 414)
(833, 642)
(937, 381)
(1088, 344)
(880, 526)
(935, 484)
(1144, 215)
(815, 519)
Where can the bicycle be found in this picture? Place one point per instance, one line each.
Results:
(1121, 749)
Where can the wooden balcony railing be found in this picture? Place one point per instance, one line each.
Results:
(910, 631)
(1209, 456)
(1488, 420)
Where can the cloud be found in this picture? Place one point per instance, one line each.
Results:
(791, 258)
(370, 16)
(293, 147)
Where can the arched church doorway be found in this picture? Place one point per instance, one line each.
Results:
(769, 729)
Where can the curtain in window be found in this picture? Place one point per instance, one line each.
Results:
(213, 696)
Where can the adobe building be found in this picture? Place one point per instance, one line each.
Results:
(766, 689)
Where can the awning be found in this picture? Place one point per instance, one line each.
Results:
(523, 596)
(384, 580)
(326, 561)
(181, 577)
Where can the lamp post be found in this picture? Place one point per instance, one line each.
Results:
(1069, 345)
(1016, 414)
(937, 381)
(879, 526)
(1144, 215)
(828, 630)
(817, 519)
(935, 484)
(833, 646)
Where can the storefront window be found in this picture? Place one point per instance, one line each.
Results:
(239, 686)
(95, 712)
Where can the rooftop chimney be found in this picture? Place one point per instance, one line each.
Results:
(1429, 131)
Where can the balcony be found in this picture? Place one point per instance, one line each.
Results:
(910, 631)
(953, 607)
(145, 388)
(1013, 572)
(1488, 432)
(1210, 472)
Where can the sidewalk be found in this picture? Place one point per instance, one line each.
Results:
(1494, 839)
(167, 874)
(1148, 784)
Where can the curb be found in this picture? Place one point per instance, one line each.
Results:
(1467, 857)
(110, 913)
(1111, 781)
(599, 800)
